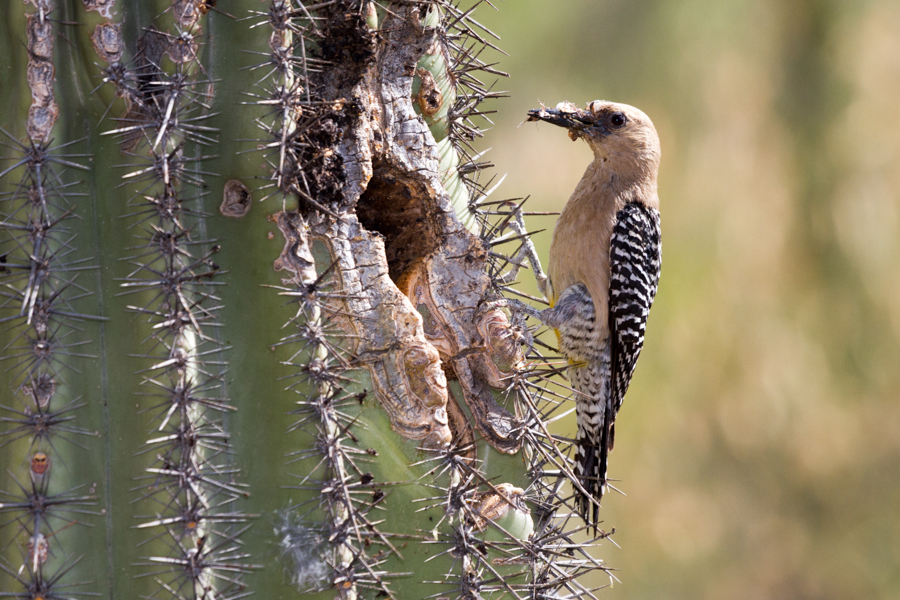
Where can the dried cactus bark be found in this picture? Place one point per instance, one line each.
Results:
(271, 322)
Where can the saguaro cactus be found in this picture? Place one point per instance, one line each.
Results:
(249, 343)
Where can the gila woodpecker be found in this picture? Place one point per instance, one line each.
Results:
(603, 273)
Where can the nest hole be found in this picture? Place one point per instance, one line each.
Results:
(400, 208)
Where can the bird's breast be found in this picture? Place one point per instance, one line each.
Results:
(579, 252)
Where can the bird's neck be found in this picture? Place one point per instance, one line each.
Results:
(619, 180)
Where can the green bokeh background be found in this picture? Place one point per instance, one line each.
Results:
(759, 445)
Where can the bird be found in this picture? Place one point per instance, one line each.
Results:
(603, 274)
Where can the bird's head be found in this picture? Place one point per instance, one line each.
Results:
(618, 133)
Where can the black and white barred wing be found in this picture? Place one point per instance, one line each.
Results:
(635, 260)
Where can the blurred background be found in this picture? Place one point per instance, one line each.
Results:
(759, 445)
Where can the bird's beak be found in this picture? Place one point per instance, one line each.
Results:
(570, 118)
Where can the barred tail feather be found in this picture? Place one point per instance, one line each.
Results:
(595, 417)
(590, 468)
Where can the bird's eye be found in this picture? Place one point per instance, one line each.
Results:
(617, 119)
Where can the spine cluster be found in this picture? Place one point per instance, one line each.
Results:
(38, 297)
(456, 65)
(338, 542)
(302, 130)
(189, 490)
(329, 542)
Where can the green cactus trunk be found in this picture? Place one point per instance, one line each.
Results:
(248, 341)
